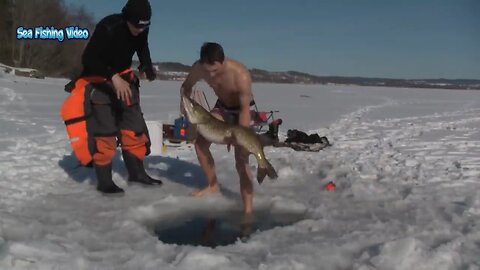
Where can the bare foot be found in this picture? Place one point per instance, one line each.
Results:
(246, 226)
(247, 218)
(205, 191)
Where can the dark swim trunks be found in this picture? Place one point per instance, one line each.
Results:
(230, 114)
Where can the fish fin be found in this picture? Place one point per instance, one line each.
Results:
(261, 173)
(264, 171)
(271, 171)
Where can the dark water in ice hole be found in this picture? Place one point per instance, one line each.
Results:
(221, 229)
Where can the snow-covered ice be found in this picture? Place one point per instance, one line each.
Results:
(406, 163)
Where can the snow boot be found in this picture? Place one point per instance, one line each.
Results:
(105, 183)
(136, 170)
(272, 132)
(273, 129)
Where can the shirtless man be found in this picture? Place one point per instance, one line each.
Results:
(231, 82)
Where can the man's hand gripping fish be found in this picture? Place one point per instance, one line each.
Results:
(217, 131)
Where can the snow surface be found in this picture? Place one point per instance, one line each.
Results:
(406, 163)
(4, 67)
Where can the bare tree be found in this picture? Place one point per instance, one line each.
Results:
(5, 31)
(52, 57)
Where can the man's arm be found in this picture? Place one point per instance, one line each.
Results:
(186, 89)
(245, 95)
(143, 53)
(93, 54)
(93, 61)
(193, 77)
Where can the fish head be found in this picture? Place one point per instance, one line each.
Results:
(195, 112)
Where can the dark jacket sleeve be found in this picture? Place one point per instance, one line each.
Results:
(92, 58)
(143, 53)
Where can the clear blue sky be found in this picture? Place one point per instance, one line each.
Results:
(370, 38)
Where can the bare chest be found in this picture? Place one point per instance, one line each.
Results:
(224, 88)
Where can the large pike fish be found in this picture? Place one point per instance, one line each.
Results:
(217, 131)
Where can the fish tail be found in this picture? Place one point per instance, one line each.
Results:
(265, 169)
(271, 171)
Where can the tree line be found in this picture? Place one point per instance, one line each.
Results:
(51, 57)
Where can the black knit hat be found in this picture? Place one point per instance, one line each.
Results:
(138, 12)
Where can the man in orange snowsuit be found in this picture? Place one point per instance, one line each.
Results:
(108, 95)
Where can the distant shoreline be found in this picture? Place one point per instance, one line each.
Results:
(174, 71)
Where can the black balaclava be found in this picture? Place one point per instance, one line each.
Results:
(137, 12)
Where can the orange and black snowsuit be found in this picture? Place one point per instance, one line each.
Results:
(94, 117)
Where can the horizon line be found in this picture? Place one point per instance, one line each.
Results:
(344, 76)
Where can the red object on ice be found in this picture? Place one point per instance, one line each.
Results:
(330, 186)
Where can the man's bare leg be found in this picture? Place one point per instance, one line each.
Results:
(246, 187)
(202, 147)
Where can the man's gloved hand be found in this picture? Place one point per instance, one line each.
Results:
(149, 72)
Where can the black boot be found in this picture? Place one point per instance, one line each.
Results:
(136, 170)
(273, 129)
(104, 180)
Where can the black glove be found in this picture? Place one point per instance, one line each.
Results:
(149, 72)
